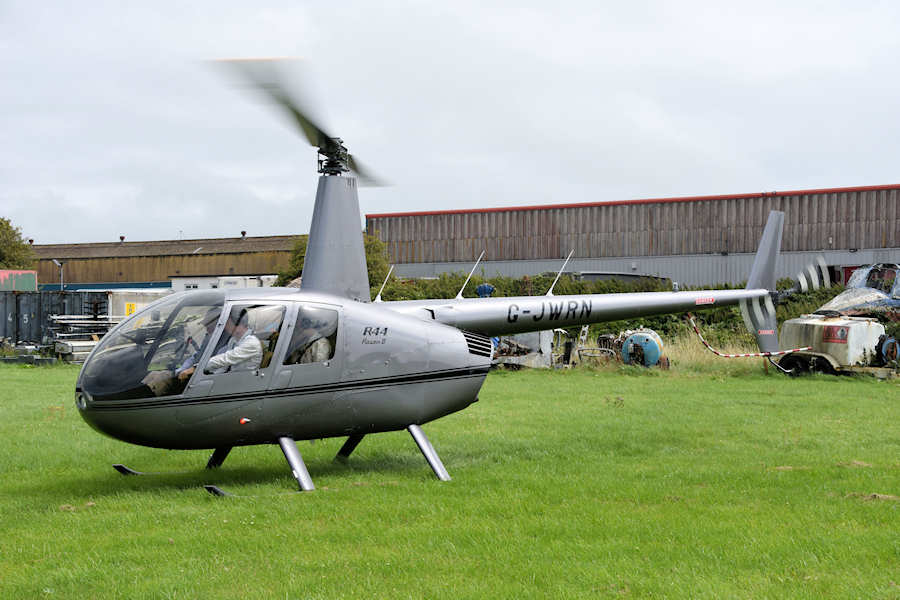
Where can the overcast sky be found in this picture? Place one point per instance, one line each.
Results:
(113, 123)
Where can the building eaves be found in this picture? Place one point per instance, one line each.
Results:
(277, 243)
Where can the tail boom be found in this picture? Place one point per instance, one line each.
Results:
(519, 314)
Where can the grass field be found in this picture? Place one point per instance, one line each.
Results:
(618, 483)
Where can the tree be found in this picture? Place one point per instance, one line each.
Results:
(376, 260)
(15, 252)
(295, 267)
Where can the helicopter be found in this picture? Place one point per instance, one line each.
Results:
(325, 360)
(872, 291)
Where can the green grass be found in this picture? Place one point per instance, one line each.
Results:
(580, 484)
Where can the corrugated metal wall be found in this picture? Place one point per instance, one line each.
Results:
(830, 220)
(696, 269)
(25, 316)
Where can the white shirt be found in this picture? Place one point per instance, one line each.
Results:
(244, 354)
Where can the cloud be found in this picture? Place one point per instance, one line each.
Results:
(114, 124)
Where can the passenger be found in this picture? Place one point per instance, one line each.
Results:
(318, 351)
(243, 351)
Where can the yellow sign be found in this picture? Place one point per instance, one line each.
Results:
(130, 307)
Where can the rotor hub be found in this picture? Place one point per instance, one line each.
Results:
(333, 157)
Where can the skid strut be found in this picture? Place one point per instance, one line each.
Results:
(428, 450)
(348, 447)
(298, 468)
(218, 457)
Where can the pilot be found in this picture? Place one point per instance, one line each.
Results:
(209, 321)
(242, 353)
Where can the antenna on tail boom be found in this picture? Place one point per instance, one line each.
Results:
(388, 276)
(459, 294)
(552, 285)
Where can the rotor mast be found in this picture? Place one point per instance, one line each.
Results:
(335, 261)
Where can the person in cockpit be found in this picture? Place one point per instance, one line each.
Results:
(243, 352)
(209, 322)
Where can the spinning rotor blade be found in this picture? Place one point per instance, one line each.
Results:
(267, 76)
(759, 314)
(814, 276)
(759, 318)
(364, 175)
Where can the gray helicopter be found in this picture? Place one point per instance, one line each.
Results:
(218, 369)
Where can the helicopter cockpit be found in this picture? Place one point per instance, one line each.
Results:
(156, 352)
(140, 358)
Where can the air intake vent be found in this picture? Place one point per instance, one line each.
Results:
(478, 344)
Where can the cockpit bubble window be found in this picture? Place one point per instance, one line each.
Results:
(881, 278)
(248, 339)
(144, 355)
(315, 336)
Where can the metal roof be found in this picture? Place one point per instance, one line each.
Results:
(238, 245)
(865, 188)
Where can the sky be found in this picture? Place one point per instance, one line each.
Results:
(113, 120)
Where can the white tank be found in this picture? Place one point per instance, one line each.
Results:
(851, 341)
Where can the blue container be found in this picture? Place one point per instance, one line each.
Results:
(642, 348)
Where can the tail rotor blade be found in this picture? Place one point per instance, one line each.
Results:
(823, 271)
(814, 276)
(759, 318)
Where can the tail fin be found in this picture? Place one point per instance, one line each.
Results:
(762, 275)
(759, 313)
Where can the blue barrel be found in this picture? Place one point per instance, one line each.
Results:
(643, 348)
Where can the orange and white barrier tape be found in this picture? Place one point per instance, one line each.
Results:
(746, 355)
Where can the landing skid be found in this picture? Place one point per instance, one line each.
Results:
(434, 461)
(216, 491)
(298, 467)
(292, 454)
(129, 471)
(215, 461)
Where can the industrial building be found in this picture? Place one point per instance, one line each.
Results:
(698, 240)
(179, 264)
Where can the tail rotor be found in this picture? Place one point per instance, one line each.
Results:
(815, 276)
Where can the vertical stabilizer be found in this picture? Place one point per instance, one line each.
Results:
(762, 275)
(759, 313)
(335, 261)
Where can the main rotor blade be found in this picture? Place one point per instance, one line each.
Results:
(265, 75)
(364, 176)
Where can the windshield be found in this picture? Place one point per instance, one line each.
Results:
(143, 356)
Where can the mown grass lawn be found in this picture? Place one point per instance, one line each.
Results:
(615, 483)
